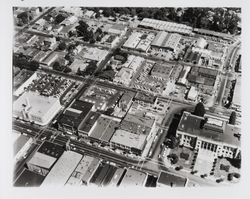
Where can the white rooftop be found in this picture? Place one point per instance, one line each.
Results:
(128, 139)
(63, 169)
(42, 160)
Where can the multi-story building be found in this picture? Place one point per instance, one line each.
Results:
(209, 133)
(44, 158)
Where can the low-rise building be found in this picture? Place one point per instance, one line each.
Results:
(103, 129)
(74, 115)
(33, 107)
(29, 179)
(134, 178)
(83, 171)
(117, 177)
(133, 40)
(124, 76)
(172, 180)
(236, 102)
(162, 71)
(192, 93)
(44, 158)
(86, 125)
(21, 146)
(117, 29)
(183, 75)
(62, 170)
(128, 141)
(166, 26)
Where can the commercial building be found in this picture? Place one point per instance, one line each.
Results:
(62, 170)
(209, 133)
(144, 44)
(45, 157)
(166, 41)
(74, 115)
(124, 76)
(172, 180)
(117, 29)
(201, 43)
(85, 126)
(160, 39)
(84, 171)
(200, 75)
(100, 96)
(117, 177)
(28, 179)
(128, 141)
(138, 124)
(125, 101)
(133, 40)
(166, 26)
(51, 58)
(162, 71)
(183, 75)
(192, 93)
(134, 178)
(145, 97)
(33, 107)
(236, 102)
(172, 42)
(103, 129)
(21, 146)
(78, 64)
(213, 33)
(103, 174)
(95, 54)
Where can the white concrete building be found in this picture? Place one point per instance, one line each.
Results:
(33, 107)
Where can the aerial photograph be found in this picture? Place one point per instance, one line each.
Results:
(126, 96)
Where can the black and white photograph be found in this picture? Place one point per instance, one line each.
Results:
(126, 97)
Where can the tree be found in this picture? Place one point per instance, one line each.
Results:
(173, 158)
(199, 109)
(97, 15)
(174, 142)
(57, 66)
(230, 177)
(232, 118)
(62, 46)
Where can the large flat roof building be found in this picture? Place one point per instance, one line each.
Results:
(84, 171)
(133, 40)
(28, 179)
(63, 169)
(129, 141)
(134, 178)
(33, 107)
(104, 128)
(163, 71)
(169, 179)
(166, 26)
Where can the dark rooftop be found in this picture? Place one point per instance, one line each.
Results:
(75, 114)
(171, 180)
(51, 149)
(29, 179)
(87, 124)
